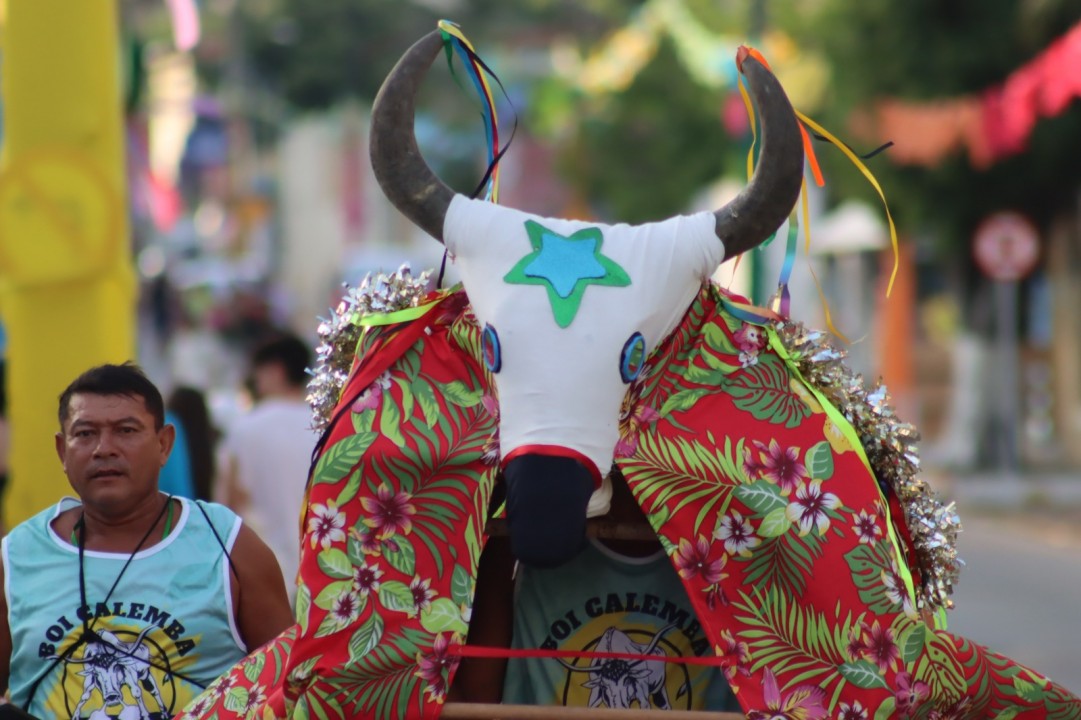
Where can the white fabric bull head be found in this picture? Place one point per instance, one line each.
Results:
(571, 309)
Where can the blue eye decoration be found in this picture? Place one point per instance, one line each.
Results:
(489, 346)
(632, 358)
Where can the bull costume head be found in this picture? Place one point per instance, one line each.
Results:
(763, 486)
(571, 309)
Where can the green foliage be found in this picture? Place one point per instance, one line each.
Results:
(318, 53)
(645, 153)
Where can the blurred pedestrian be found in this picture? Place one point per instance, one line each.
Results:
(175, 477)
(188, 405)
(266, 453)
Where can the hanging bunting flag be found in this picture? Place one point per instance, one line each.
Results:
(185, 19)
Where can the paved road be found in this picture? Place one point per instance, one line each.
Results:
(1020, 595)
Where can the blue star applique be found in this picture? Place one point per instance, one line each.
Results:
(565, 266)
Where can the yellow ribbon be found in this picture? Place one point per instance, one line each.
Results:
(871, 179)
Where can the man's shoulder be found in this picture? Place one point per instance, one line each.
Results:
(221, 517)
(32, 533)
(43, 517)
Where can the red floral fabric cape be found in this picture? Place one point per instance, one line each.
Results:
(757, 488)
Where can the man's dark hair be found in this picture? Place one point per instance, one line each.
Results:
(289, 351)
(127, 379)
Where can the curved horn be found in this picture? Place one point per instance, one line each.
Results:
(399, 168)
(767, 200)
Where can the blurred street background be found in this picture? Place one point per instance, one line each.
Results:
(250, 201)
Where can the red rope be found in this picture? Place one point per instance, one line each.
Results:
(482, 651)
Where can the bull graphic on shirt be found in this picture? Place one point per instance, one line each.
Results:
(617, 682)
(111, 665)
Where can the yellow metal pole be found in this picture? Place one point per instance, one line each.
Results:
(67, 286)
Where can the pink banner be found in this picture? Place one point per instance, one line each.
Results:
(185, 17)
(991, 125)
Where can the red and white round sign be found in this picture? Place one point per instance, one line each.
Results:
(1006, 246)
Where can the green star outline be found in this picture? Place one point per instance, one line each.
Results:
(565, 309)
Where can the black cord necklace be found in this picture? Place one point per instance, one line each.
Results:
(80, 526)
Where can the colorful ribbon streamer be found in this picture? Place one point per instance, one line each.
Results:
(456, 43)
(781, 301)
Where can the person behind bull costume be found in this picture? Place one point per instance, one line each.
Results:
(817, 566)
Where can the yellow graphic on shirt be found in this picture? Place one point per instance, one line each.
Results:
(122, 673)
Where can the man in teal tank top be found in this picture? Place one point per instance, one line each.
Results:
(126, 602)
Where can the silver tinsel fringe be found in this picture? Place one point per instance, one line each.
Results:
(339, 333)
(891, 447)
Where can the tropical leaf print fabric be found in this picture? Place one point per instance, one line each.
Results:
(757, 488)
(785, 545)
(392, 536)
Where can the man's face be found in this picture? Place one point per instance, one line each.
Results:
(111, 451)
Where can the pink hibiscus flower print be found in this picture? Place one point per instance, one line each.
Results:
(896, 589)
(781, 466)
(809, 508)
(365, 537)
(881, 647)
(715, 595)
(692, 560)
(909, 694)
(389, 512)
(956, 711)
(855, 711)
(435, 667)
(221, 687)
(345, 609)
(326, 523)
(366, 579)
(256, 699)
(803, 703)
(739, 656)
(857, 644)
(372, 395)
(422, 594)
(750, 339)
(200, 706)
(634, 417)
(737, 534)
(752, 468)
(450, 309)
(866, 527)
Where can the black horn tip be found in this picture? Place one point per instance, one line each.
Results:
(773, 191)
